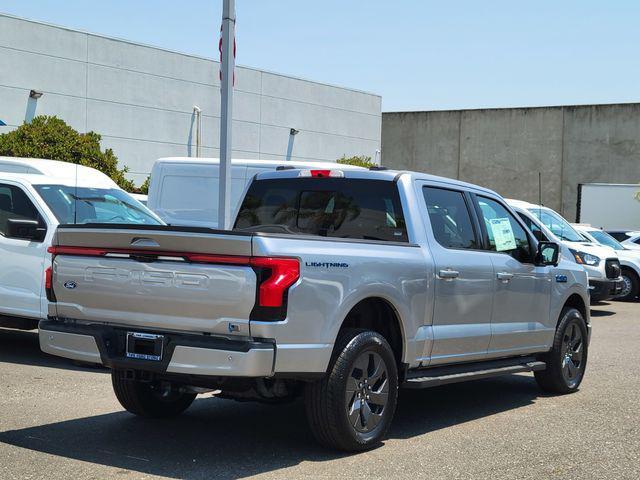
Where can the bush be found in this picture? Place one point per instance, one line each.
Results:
(357, 160)
(51, 138)
(144, 188)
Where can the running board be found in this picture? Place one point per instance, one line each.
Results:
(433, 377)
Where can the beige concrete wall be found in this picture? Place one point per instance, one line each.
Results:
(504, 149)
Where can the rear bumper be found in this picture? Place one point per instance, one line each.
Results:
(182, 354)
(601, 290)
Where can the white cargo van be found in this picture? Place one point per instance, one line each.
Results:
(184, 190)
(35, 197)
(609, 205)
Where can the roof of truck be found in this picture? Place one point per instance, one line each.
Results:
(382, 174)
(42, 171)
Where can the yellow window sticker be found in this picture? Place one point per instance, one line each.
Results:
(502, 234)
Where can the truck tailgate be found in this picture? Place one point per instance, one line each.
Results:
(160, 278)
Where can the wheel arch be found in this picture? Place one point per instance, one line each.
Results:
(576, 301)
(626, 265)
(380, 315)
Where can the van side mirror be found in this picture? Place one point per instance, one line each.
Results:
(25, 229)
(548, 254)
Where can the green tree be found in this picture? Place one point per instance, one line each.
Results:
(51, 138)
(357, 160)
(144, 188)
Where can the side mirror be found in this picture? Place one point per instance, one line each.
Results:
(25, 229)
(548, 254)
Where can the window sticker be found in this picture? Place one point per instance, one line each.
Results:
(502, 234)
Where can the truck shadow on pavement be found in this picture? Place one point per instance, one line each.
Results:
(229, 440)
(22, 347)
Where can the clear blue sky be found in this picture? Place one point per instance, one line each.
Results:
(419, 55)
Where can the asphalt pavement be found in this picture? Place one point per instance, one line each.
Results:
(60, 420)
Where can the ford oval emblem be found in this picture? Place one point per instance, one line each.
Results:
(70, 285)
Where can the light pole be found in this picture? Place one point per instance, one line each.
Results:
(227, 67)
(198, 120)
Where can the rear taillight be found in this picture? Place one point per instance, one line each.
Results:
(281, 274)
(275, 276)
(48, 274)
(48, 284)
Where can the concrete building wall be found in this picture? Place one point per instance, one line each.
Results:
(504, 149)
(141, 98)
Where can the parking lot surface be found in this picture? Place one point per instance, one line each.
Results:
(59, 420)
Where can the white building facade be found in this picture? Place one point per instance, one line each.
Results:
(141, 100)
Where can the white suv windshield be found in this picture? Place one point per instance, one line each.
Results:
(73, 205)
(558, 225)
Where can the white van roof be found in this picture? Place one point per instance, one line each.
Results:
(257, 163)
(43, 171)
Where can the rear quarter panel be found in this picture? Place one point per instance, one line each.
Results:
(336, 275)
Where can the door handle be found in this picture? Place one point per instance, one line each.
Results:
(504, 277)
(448, 274)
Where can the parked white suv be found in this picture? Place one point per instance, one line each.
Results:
(628, 238)
(35, 197)
(629, 260)
(601, 263)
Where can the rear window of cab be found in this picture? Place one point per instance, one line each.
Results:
(327, 207)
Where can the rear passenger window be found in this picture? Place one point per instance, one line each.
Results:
(504, 232)
(329, 207)
(450, 219)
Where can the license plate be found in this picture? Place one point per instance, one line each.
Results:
(144, 346)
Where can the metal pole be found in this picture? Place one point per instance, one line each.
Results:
(226, 112)
(198, 113)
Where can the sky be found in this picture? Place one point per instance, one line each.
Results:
(416, 54)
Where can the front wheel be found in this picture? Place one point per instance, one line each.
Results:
(147, 399)
(352, 407)
(630, 286)
(567, 359)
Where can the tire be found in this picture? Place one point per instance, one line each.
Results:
(146, 400)
(567, 359)
(338, 418)
(631, 287)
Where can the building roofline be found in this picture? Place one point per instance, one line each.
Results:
(532, 107)
(177, 52)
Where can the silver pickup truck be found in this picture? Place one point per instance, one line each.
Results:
(339, 286)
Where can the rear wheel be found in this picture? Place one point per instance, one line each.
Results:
(631, 286)
(567, 359)
(147, 399)
(352, 407)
